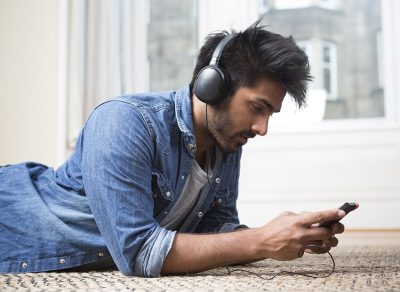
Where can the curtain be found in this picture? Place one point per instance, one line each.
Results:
(106, 55)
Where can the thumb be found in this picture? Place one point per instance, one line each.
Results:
(322, 216)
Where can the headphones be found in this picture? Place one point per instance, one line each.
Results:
(212, 82)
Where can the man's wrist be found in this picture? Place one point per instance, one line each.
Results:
(253, 242)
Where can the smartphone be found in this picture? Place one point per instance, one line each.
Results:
(346, 207)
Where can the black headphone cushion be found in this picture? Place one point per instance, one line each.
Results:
(211, 84)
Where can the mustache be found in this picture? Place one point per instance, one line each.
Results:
(247, 134)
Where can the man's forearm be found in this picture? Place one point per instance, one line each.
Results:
(198, 252)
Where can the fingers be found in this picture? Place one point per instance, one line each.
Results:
(337, 228)
(333, 241)
(317, 234)
(308, 219)
(320, 246)
(317, 247)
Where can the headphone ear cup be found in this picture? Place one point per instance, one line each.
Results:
(211, 85)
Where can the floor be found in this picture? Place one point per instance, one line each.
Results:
(365, 261)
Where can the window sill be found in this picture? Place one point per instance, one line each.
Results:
(332, 126)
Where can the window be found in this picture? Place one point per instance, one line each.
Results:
(305, 45)
(347, 60)
(329, 73)
(291, 4)
(328, 4)
(294, 4)
(379, 58)
(172, 43)
(152, 45)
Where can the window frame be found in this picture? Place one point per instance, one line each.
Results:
(329, 4)
(391, 69)
(295, 4)
(391, 66)
(332, 67)
(347, 127)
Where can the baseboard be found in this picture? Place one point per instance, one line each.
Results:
(372, 229)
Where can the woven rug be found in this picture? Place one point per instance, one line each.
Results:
(358, 268)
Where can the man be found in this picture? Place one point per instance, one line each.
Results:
(152, 184)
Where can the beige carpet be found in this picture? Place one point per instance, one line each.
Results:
(363, 263)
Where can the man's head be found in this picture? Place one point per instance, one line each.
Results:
(244, 115)
(262, 67)
(256, 54)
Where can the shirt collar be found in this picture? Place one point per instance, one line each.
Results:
(184, 117)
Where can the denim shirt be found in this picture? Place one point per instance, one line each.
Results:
(127, 171)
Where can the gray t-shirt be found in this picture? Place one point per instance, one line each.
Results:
(196, 180)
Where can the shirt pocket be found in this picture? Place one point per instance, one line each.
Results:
(220, 198)
(163, 194)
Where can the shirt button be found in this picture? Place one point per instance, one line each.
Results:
(24, 265)
(219, 200)
(155, 195)
(62, 261)
(217, 180)
(200, 214)
(166, 212)
(100, 254)
(168, 194)
(183, 177)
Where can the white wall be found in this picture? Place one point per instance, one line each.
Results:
(318, 170)
(28, 80)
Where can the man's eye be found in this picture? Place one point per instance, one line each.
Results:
(256, 108)
(260, 110)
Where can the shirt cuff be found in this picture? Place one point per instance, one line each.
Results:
(228, 227)
(151, 256)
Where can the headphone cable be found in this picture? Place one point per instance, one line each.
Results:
(282, 272)
(208, 158)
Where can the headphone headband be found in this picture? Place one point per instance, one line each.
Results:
(219, 49)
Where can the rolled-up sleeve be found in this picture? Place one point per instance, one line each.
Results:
(151, 257)
(228, 227)
(118, 151)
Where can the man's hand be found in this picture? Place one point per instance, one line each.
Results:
(284, 238)
(287, 236)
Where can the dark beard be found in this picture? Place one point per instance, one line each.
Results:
(220, 126)
(225, 143)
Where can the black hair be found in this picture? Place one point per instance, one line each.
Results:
(255, 54)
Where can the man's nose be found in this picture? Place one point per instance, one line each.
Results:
(260, 126)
